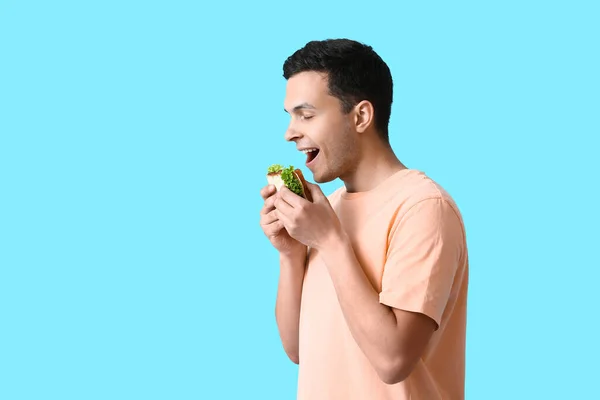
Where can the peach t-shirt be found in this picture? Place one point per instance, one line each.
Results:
(408, 236)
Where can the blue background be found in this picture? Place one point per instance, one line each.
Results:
(134, 139)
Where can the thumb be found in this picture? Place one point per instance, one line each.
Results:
(316, 192)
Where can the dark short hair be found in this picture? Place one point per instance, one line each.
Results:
(355, 73)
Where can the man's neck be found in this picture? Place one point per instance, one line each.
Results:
(378, 162)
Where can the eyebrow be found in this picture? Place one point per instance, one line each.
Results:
(303, 106)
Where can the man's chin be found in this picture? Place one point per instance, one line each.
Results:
(320, 179)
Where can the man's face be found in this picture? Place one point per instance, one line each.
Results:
(317, 122)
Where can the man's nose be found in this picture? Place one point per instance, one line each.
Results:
(291, 134)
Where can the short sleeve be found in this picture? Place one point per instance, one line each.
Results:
(423, 257)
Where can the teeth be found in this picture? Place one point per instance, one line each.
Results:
(308, 151)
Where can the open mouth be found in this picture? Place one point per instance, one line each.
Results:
(311, 154)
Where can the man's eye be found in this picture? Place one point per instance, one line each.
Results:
(305, 117)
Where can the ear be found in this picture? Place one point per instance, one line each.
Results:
(364, 113)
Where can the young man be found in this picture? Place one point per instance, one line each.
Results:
(373, 279)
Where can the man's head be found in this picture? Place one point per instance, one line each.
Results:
(338, 92)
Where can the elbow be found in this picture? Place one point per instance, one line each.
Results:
(293, 357)
(395, 370)
(292, 353)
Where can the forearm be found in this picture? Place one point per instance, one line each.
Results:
(372, 324)
(287, 308)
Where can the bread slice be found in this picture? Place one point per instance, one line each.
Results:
(290, 177)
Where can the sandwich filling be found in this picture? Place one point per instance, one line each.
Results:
(279, 175)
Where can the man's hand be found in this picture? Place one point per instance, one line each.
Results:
(312, 223)
(273, 228)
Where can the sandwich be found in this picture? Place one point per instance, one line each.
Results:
(291, 177)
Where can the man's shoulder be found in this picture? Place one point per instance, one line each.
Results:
(419, 188)
(422, 207)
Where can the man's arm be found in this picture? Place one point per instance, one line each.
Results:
(287, 307)
(392, 339)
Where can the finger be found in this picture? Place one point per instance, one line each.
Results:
(274, 228)
(269, 205)
(315, 191)
(267, 191)
(282, 205)
(285, 219)
(291, 198)
(268, 218)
